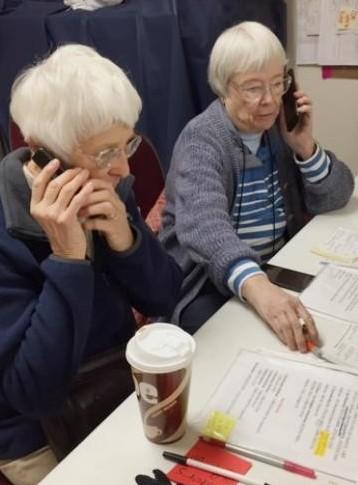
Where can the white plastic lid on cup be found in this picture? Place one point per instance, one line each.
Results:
(159, 348)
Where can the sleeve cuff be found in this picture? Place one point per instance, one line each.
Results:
(316, 168)
(60, 259)
(241, 272)
(137, 242)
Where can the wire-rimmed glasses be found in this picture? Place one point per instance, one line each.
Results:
(105, 158)
(253, 92)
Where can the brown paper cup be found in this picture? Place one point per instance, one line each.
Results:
(160, 356)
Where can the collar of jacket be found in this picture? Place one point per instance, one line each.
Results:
(15, 195)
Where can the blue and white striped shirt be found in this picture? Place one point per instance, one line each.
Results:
(259, 212)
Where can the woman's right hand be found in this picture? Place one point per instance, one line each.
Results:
(283, 312)
(55, 203)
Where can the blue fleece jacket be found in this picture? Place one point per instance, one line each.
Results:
(54, 313)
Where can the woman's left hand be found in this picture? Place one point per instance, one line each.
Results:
(283, 312)
(300, 139)
(105, 212)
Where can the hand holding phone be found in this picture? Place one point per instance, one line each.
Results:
(289, 103)
(55, 205)
(42, 157)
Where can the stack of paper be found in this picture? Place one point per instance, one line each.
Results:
(343, 349)
(294, 410)
(342, 246)
(334, 292)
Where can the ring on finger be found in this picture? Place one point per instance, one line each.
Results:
(302, 321)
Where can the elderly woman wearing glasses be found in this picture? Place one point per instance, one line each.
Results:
(240, 185)
(75, 255)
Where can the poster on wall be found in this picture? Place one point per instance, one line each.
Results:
(308, 27)
(327, 32)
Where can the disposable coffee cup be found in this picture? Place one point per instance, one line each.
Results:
(160, 355)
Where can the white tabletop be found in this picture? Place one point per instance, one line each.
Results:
(117, 450)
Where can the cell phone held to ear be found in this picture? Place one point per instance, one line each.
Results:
(289, 103)
(42, 157)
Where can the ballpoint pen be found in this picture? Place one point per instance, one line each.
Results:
(223, 472)
(256, 455)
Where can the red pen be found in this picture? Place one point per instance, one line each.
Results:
(255, 455)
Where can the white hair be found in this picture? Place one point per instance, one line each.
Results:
(245, 47)
(72, 95)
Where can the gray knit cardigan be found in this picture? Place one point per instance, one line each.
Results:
(200, 190)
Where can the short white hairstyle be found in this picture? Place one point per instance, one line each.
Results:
(73, 94)
(245, 47)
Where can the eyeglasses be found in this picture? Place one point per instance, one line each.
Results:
(105, 158)
(253, 93)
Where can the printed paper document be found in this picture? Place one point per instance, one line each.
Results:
(334, 292)
(341, 246)
(344, 349)
(297, 411)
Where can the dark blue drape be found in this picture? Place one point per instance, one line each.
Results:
(163, 45)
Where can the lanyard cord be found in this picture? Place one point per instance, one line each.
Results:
(273, 192)
(242, 181)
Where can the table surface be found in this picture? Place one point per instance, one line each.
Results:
(117, 450)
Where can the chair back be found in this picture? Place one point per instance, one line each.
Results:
(149, 176)
(15, 135)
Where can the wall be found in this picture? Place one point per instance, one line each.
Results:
(335, 103)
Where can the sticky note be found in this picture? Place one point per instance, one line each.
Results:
(187, 475)
(219, 426)
(214, 455)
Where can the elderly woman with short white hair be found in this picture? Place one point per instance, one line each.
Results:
(75, 255)
(240, 185)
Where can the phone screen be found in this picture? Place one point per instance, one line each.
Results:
(287, 278)
(289, 104)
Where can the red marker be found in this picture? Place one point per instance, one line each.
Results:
(256, 455)
(310, 345)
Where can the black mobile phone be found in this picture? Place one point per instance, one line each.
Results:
(42, 157)
(287, 278)
(289, 104)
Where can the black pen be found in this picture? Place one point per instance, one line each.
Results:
(223, 472)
